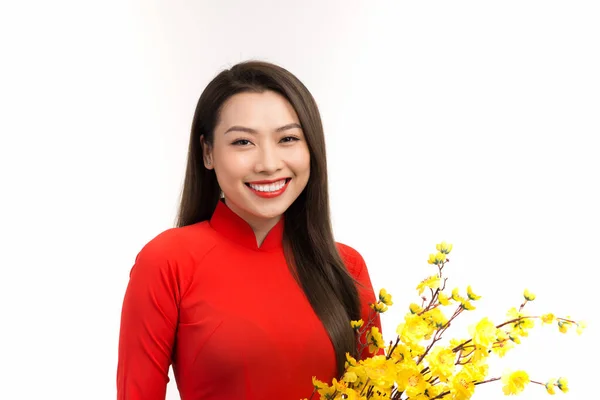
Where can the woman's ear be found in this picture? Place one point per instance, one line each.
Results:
(206, 153)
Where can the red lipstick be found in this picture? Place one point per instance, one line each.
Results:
(268, 195)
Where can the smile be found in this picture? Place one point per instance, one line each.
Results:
(269, 190)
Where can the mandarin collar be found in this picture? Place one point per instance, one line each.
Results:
(236, 229)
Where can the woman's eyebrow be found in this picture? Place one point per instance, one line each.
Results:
(239, 128)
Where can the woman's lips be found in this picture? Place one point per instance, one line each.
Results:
(269, 194)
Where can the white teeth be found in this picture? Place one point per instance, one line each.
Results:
(268, 188)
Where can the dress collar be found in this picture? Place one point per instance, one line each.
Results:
(236, 229)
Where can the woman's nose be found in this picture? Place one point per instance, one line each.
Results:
(269, 160)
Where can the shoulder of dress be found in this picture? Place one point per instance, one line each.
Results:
(181, 243)
(351, 257)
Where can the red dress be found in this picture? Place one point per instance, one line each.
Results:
(226, 314)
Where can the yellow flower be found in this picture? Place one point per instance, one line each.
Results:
(477, 371)
(484, 333)
(466, 304)
(385, 297)
(415, 308)
(563, 385)
(443, 299)
(435, 318)
(581, 325)
(528, 295)
(471, 295)
(501, 348)
(456, 296)
(437, 259)
(350, 361)
(350, 377)
(380, 371)
(317, 383)
(441, 362)
(413, 330)
(522, 325)
(402, 354)
(379, 307)
(375, 340)
(514, 382)
(563, 326)
(434, 391)
(462, 386)
(340, 387)
(514, 338)
(550, 386)
(443, 247)
(356, 325)
(432, 282)
(548, 318)
(414, 383)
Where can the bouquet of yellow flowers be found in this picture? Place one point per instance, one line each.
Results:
(417, 367)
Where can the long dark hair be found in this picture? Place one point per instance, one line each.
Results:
(309, 246)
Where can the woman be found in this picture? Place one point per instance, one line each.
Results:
(249, 296)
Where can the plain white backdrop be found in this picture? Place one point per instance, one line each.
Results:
(472, 122)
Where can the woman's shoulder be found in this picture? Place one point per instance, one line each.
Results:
(177, 243)
(353, 260)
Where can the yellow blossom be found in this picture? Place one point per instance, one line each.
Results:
(322, 388)
(412, 381)
(444, 247)
(514, 382)
(436, 318)
(501, 348)
(415, 368)
(413, 330)
(385, 297)
(514, 338)
(441, 362)
(434, 391)
(456, 296)
(581, 325)
(550, 386)
(522, 324)
(350, 361)
(350, 377)
(379, 307)
(484, 333)
(563, 385)
(528, 295)
(563, 326)
(471, 295)
(477, 371)
(443, 299)
(415, 308)
(432, 282)
(375, 340)
(548, 318)
(502, 344)
(466, 304)
(462, 386)
(437, 259)
(380, 371)
(356, 325)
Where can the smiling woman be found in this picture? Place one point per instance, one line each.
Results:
(250, 296)
(258, 151)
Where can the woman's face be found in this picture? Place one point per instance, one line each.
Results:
(260, 156)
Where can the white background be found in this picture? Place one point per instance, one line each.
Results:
(472, 122)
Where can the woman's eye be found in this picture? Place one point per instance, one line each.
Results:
(289, 139)
(241, 142)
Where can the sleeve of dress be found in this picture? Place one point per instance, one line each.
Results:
(148, 324)
(367, 296)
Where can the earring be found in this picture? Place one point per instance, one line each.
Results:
(222, 195)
